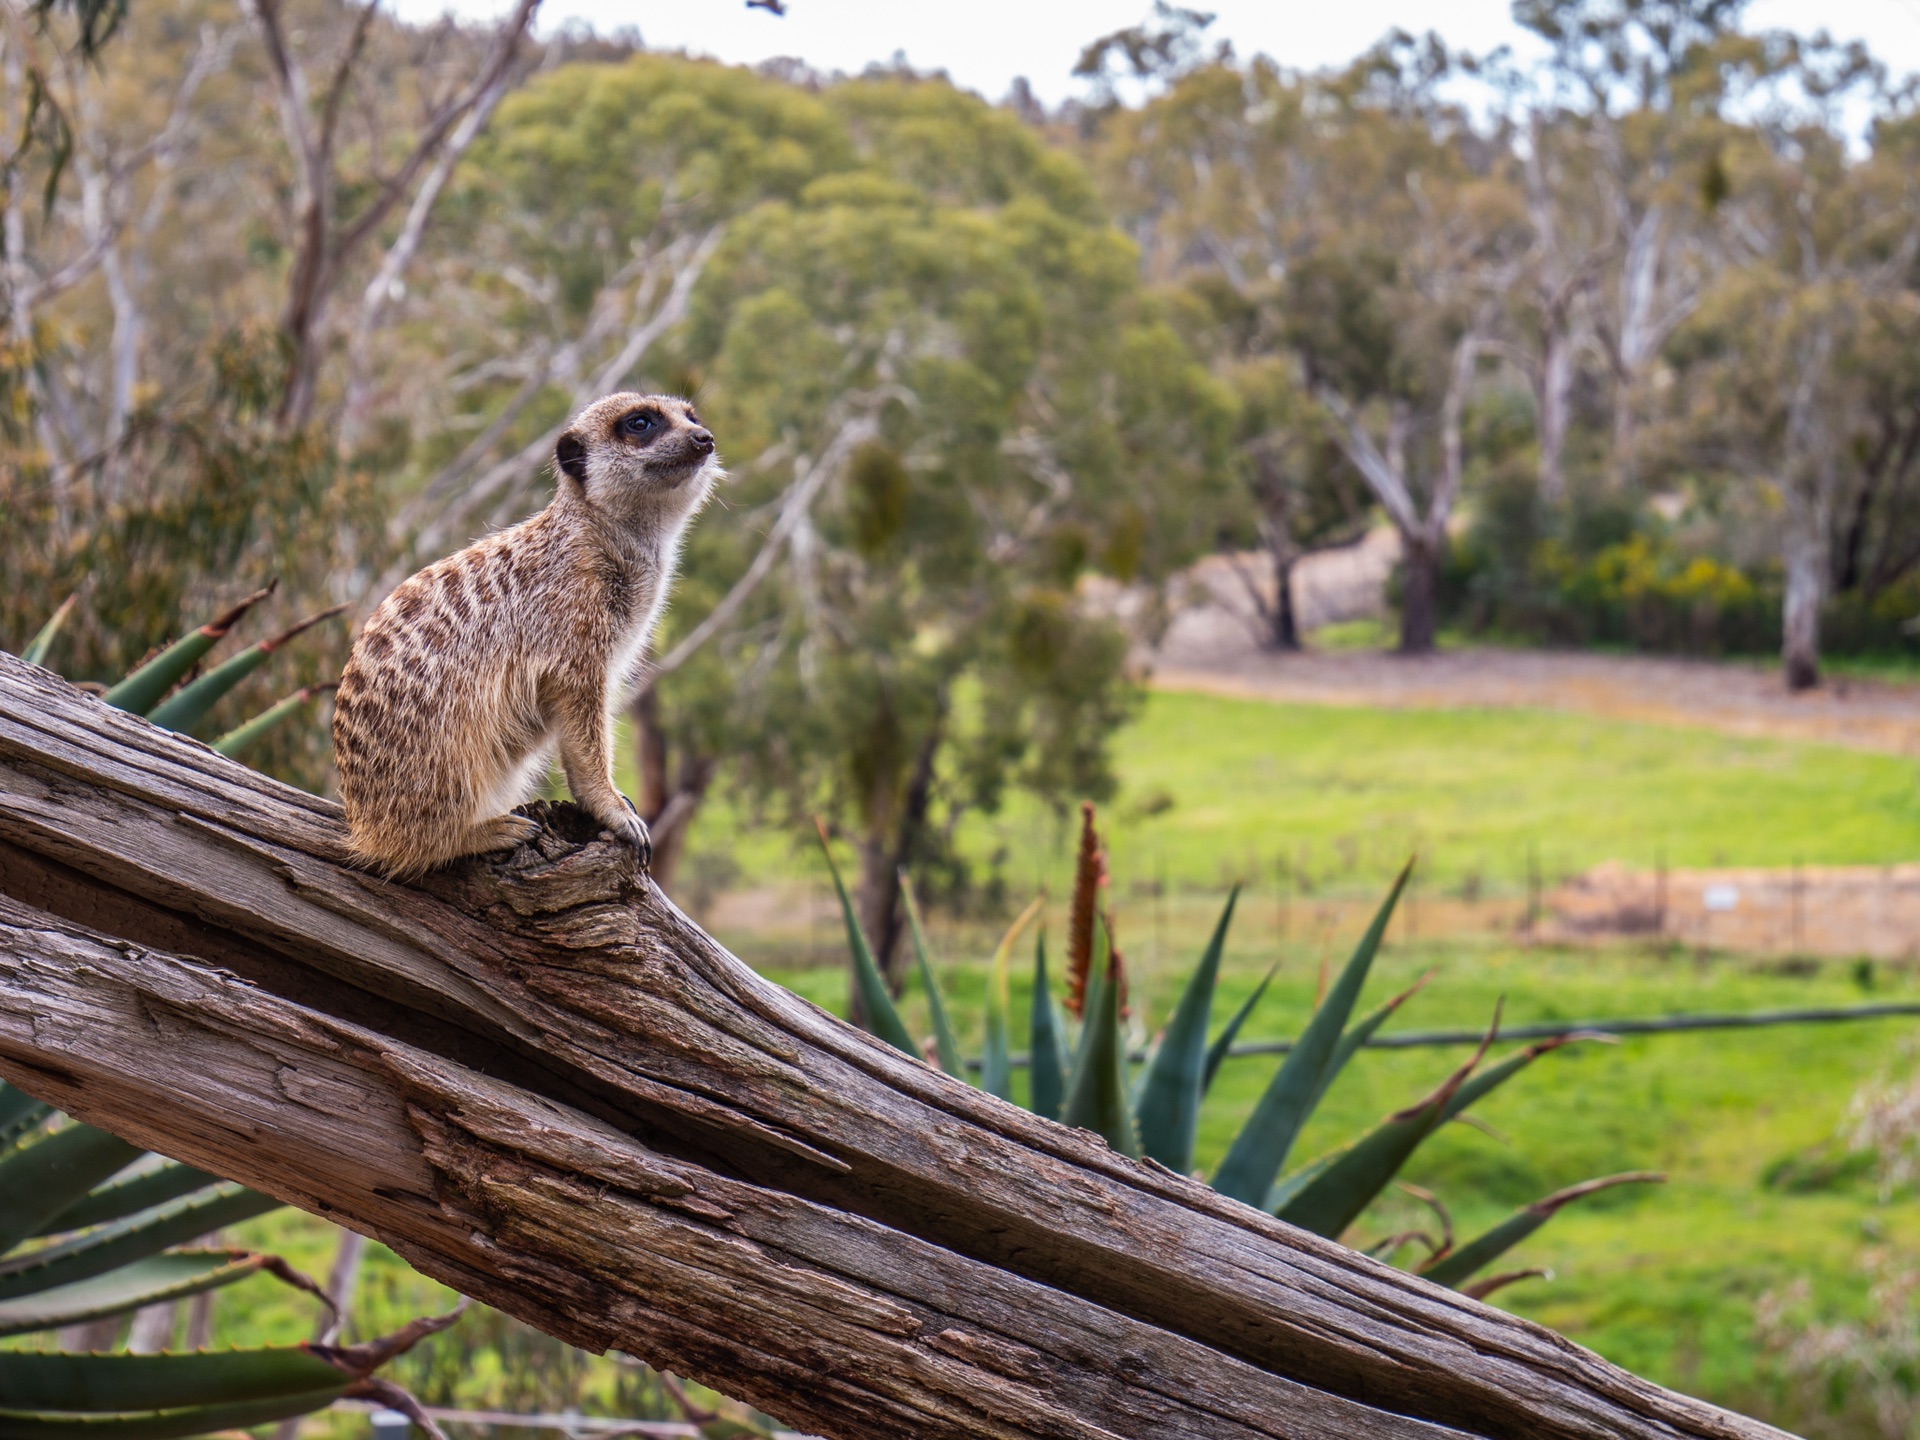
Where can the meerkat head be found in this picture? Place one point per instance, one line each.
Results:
(631, 453)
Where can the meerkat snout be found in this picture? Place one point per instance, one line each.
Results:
(474, 671)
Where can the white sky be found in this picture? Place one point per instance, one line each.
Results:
(983, 44)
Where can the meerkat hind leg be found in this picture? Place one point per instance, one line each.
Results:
(504, 832)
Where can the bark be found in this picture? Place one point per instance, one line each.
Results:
(539, 1082)
(1800, 611)
(1284, 633)
(1419, 593)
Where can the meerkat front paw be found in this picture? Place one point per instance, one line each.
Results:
(630, 829)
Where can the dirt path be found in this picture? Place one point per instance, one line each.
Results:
(1739, 699)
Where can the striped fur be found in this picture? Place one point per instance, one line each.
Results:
(474, 671)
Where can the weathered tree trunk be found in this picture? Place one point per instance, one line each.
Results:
(1800, 613)
(539, 1082)
(1419, 593)
(1284, 626)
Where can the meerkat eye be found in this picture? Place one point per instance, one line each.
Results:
(640, 422)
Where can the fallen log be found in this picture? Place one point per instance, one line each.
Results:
(539, 1082)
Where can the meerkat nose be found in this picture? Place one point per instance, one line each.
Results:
(702, 439)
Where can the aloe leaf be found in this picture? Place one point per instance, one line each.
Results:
(1456, 1267)
(112, 1202)
(1359, 1171)
(1097, 1093)
(883, 1017)
(1358, 1034)
(20, 1114)
(142, 690)
(1169, 1109)
(37, 648)
(244, 736)
(189, 707)
(1046, 1065)
(1264, 1142)
(1217, 1052)
(167, 1424)
(1288, 1189)
(996, 1063)
(159, 1278)
(58, 1380)
(946, 1047)
(40, 1180)
(1496, 1075)
(133, 1238)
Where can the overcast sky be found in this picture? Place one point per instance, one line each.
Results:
(983, 44)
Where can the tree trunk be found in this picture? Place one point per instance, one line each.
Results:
(1800, 613)
(539, 1082)
(1419, 592)
(1284, 634)
(883, 855)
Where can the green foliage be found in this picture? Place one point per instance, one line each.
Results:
(78, 1246)
(901, 255)
(159, 528)
(1159, 1118)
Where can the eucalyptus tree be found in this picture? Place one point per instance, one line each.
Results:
(1789, 351)
(962, 403)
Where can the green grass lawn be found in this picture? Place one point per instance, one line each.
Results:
(1214, 790)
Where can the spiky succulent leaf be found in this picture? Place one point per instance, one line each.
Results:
(40, 1180)
(883, 1017)
(135, 1238)
(1169, 1108)
(159, 1278)
(1359, 1171)
(1261, 1148)
(1097, 1091)
(1046, 1054)
(187, 708)
(20, 1115)
(946, 1046)
(142, 690)
(1456, 1267)
(42, 642)
(57, 1380)
(128, 1197)
(244, 736)
(1223, 1043)
(1494, 1076)
(165, 1424)
(996, 1063)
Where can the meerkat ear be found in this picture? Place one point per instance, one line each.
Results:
(571, 456)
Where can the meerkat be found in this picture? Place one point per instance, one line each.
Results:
(473, 671)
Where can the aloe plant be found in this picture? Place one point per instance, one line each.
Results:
(146, 690)
(92, 1229)
(1084, 1080)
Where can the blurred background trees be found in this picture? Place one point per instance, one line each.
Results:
(1620, 345)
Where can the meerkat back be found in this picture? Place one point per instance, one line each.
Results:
(470, 675)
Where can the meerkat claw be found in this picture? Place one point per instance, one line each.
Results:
(632, 830)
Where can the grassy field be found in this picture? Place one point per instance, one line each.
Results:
(1316, 798)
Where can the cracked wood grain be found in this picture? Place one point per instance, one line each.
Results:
(540, 1082)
